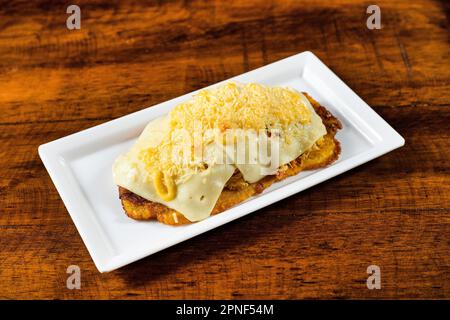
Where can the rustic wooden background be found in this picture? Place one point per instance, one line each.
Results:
(393, 212)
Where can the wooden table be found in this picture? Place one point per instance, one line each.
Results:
(393, 212)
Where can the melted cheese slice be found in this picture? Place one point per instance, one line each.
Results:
(299, 138)
(197, 195)
(195, 198)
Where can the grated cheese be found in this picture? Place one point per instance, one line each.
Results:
(231, 106)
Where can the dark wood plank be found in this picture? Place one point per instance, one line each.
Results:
(393, 211)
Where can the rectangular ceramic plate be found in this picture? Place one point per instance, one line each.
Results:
(80, 164)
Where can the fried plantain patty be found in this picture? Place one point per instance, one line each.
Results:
(323, 153)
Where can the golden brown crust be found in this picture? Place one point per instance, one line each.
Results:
(326, 151)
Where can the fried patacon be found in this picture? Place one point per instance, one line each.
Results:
(325, 151)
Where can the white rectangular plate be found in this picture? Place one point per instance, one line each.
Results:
(80, 164)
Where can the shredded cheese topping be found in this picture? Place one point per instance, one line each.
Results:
(231, 106)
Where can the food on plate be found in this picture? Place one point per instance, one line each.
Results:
(221, 147)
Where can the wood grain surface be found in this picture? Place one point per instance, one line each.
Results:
(393, 211)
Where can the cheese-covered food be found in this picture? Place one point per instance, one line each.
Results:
(234, 133)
